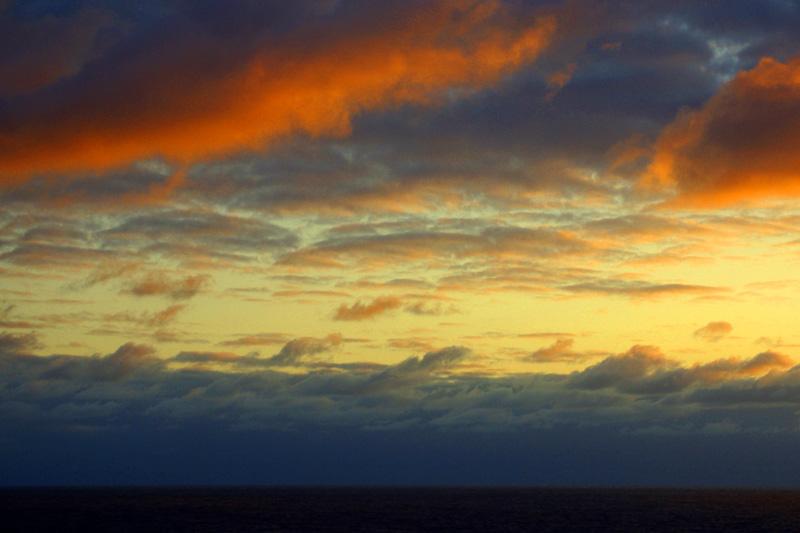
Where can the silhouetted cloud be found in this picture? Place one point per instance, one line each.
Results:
(297, 351)
(637, 389)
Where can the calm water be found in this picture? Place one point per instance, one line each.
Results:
(398, 509)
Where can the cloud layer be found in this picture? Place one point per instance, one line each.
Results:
(409, 223)
(169, 103)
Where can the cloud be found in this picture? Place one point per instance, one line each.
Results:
(538, 335)
(672, 380)
(647, 228)
(74, 371)
(474, 240)
(765, 361)
(557, 80)
(426, 309)
(122, 363)
(739, 147)
(166, 101)
(383, 304)
(54, 234)
(298, 351)
(202, 234)
(639, 388)
(206, 357)
(167, 315)
(359, 311)
(713, 331)
(35, 53)
(257, 340)
(145, 318)
(619, 369)
(414, 343)
(407, 374)
(158, 284)
(560, 351)
(432, 361)
(52, 256)
(12, 343)
(642, 289)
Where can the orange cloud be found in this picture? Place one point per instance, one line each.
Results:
(313, 84)
(733, 367)
(561, 350)
(167, 315)
(557, 80)
(765, 361)
(157, 284)
(359, 311)
(639, 289)
(740, 146)
(713, 331)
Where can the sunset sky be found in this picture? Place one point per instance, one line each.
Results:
(373, 241)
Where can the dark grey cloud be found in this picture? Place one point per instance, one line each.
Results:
(54, 256)
(648, 227)
(111, 247)
(297, 351)
(302, 351)
(73, 373)
(39, 50)
(635, 390)
(217, 230)
(117, 189)
(433, 361)
(480, 242)
(17, 343)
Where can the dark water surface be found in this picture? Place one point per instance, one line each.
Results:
(398, 509)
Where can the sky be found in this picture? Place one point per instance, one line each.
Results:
(399, 242)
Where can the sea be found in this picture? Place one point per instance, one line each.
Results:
(377, 509)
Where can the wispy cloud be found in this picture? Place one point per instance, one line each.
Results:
(713, 331)
(560, 351)
(645, 289)
(158, 284)
(360, 311)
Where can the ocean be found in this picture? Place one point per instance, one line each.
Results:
(376, 509)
